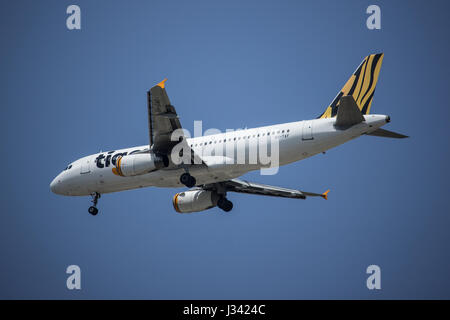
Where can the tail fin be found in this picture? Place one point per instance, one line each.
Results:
(361, 86)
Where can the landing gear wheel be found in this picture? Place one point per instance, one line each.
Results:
(188, 180)
(228, 206)
(93, 210)
(225, 204)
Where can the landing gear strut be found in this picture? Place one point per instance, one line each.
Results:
(188, 180)
(93, 209)
(225, 204)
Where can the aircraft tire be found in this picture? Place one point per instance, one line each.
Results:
(93, 210)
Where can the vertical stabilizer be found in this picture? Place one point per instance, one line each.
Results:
(361, 86)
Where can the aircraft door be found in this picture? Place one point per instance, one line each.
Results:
(307, 130)
(85, 166)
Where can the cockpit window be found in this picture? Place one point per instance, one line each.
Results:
(68, 167)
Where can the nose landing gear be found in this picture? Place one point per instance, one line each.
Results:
(93, 209)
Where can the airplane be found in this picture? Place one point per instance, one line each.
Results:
(210, 177)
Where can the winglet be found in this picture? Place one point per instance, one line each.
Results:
(325, 194)
(162, 83)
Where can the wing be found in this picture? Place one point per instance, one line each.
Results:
(241, 186)
(163, 121)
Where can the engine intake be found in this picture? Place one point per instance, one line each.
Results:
(194, 201)
(137, 164)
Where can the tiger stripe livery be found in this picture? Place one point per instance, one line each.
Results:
(361, 86)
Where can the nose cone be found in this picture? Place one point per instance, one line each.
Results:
(55, 185)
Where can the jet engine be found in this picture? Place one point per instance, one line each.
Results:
(136, 164)
(194, 201)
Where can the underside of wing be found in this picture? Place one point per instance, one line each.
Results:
(241, 186)
(163, 121)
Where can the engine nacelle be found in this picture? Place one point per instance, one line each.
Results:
(136, 164)
(194, 201)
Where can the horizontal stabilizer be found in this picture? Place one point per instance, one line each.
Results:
(348, 113)
(386, 134)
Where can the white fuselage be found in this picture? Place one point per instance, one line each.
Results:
(295, 140)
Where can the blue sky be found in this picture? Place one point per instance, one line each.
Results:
(231, 64)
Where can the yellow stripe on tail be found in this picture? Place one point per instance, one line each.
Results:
(361, 86)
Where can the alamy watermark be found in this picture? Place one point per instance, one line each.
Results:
(73, 22)
(374, 280)
(258, 147)
(74, 280)
(374, 20)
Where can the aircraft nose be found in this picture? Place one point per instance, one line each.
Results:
(55, 185)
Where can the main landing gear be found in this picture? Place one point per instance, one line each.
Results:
(93, 209)
(225, 204)
(188, 180)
